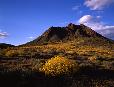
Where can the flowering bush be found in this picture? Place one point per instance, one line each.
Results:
(59, 65)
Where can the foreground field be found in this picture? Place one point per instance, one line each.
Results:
(36, 67)
(21, 74)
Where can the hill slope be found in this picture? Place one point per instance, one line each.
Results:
(68, 33)
(4, 45)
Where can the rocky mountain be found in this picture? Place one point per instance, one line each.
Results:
(68, 33)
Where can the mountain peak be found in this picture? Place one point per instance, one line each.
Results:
(64, 34)
(71, 26)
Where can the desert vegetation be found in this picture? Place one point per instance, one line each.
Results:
(59, 66)
(79, 58)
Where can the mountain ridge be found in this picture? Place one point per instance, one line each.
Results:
(64, 34)
(4, 45)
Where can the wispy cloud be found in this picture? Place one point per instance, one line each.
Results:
(108, 32)
(97, 25)
(3, 34)
(31, 37)
(76, 7)
(97, 4)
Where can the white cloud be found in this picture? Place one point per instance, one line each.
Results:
(85, 19)
(76, 7)
(108, 32)
(97, 25)
(97, 4)
(31, 37)
(105, 32)
(3, 34)
(98, 16)
(88, 18)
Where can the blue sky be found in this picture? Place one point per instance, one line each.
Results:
(23, 20)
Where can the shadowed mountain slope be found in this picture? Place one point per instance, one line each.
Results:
(4, 45)
(68, 33)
